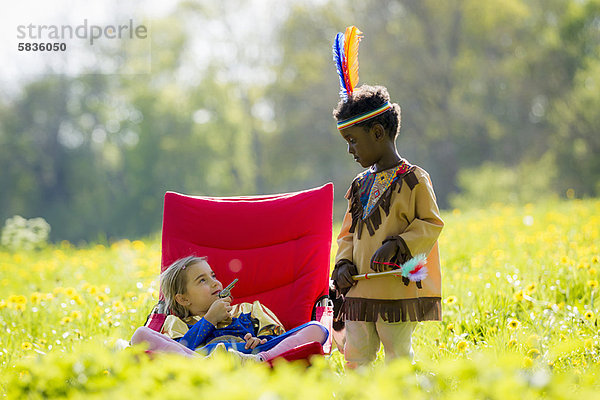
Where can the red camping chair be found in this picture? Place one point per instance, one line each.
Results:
(278, 246)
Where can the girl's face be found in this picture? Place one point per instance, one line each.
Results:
(202, 288)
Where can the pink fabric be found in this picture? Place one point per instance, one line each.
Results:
(311, 333)
(160, 343)
(278, 246)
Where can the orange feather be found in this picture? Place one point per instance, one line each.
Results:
(352, 38)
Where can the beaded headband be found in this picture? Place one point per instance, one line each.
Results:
(363, 117)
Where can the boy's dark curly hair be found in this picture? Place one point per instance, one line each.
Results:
(368, 98)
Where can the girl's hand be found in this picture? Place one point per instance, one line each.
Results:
(383, 255)
(252, 342)
(218, 311)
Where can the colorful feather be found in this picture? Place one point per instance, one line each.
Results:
(415, 268)
(338, 57)
(345, 57)
(351, 40)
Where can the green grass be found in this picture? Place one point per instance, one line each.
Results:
(520, 286)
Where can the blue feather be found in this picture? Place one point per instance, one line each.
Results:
(338, 56)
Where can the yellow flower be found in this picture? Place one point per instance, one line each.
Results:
(592, 283)
(588, 315)
(93, 290)
(531, 288)
(102, 297)
(450, 327)
(26, 346)
(533, 353)
(450, 300)
(527, 362)
(78, 299)
(461, 346)
(20, 307)
(589, 344)
(564, 260)
(76, 314)
(595, 260)
(592, 271)
(65, 320)
(513, 324)
(36, 297)
(512, 342)
(70, 291)
(518, 296)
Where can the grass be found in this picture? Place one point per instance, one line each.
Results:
(520, 286)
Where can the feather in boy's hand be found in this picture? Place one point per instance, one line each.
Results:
(382, 258)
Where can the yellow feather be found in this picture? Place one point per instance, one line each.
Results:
(352, 38)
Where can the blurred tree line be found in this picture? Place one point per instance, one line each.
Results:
(501, 95)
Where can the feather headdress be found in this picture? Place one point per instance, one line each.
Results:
(345, 57)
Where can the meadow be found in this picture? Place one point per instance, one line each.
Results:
(520, 320)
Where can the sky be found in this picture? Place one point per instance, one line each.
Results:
(18, 65)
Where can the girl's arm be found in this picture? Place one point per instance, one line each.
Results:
(197, 334)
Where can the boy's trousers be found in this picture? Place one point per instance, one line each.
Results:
(363, 339)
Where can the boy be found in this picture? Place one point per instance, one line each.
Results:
(392, 216)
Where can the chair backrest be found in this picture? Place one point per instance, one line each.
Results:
(278, 246)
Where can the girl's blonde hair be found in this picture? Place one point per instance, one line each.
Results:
(173, 281)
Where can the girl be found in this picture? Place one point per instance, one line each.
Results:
(202, 320)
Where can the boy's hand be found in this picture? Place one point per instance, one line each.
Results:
(218, 311)
(252, 342)
(342, 275)
(384, 254)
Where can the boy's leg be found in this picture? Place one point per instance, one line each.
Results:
(396, 338)
(362, 343)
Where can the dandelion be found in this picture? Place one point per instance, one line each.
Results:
(450, 300)
(36, 297)
(592, 283)
(76, 314)
(518, 296)
(527, 362)
(102, 298)
(26, 346)
(531, 288)
(595, 260)
(93, 290)
(592, 271)
(589, 315)
(65, 320)
(533, 353)
(20, 307)
(512, 342)
(513, 324)
(461, 346)
(450, 327)
(70, 291)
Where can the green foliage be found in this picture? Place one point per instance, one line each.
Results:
(528, 182)
(499, 82)
(520, 316)
(19, 233)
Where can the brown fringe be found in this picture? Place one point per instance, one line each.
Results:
(373, 220)
(369, 310)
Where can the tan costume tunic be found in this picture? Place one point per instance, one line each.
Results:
(401, 203)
